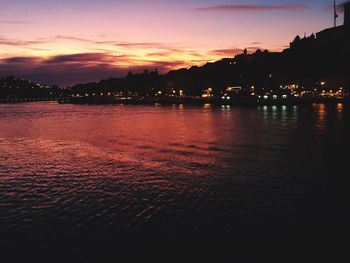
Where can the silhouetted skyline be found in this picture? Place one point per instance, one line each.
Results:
(65, 42)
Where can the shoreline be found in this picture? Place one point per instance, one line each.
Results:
(187, 101)
(196, 101)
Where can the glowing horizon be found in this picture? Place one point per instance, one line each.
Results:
(67, 42)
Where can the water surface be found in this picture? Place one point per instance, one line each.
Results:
(98, 182)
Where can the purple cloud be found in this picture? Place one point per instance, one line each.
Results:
(20, 43)
(19, 60)
(252, 8)
(85, 67)
(141, 45)
(79, 58)
(231, 52)
(13, 22)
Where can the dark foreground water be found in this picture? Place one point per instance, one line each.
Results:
(95, 183)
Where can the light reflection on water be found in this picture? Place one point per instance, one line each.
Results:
(120, 171)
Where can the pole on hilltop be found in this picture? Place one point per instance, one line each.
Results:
(335, 14)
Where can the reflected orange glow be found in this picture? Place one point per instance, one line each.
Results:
(340, 107)
(321, 113)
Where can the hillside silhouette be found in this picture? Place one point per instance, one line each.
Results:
(309, 61)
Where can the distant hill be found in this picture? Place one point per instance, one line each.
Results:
(306, 63)
(17, 90)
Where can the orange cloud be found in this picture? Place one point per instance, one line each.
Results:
(231, 52)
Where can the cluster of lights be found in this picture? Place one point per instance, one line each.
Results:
(173, 93)
(274, 97)
(207, 93)
(291, 87)
(332, 93)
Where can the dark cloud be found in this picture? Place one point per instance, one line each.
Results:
(167, 53)
(254, 48)
(125, 45)
(19, 60)
(140, 45)
(160, 54)
(63, 69)
(79, 68)
(21, 43)
(252, 8)
(13, 22)
(231, 52)
(164, 66)
(74, 38)
(86, 40)
(80, 58)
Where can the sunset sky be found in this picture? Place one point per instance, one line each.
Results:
(68, 41)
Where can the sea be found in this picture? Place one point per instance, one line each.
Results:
(83, 183)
